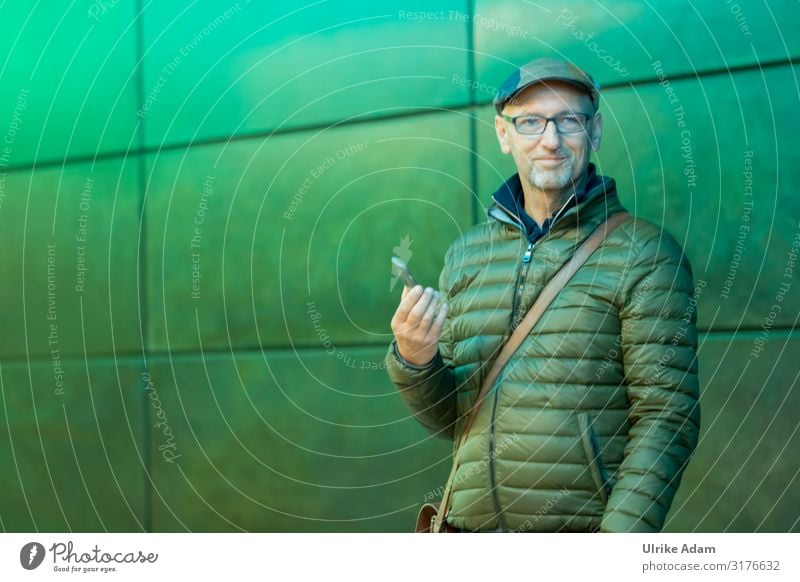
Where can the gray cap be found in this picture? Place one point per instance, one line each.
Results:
(546, 70)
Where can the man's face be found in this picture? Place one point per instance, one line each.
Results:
(550, 161)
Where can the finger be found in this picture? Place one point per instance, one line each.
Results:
(407, 303)
(438, 323)
(416, 313)
(427, 317)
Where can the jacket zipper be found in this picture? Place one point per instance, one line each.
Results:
(520, 283)
(492, 477)
(522, 275)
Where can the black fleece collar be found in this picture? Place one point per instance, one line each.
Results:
(511, 196)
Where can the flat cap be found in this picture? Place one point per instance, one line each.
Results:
(546, 69)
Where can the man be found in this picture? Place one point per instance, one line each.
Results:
(591, 423)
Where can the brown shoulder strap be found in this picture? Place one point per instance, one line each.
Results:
(546, 297)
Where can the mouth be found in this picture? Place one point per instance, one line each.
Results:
(551, 161)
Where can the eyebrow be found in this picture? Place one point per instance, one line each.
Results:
(529, 114)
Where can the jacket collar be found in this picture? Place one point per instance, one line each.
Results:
(508, 205)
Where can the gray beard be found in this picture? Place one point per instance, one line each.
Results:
(548, 180)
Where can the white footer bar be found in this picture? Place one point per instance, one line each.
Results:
(411, 557)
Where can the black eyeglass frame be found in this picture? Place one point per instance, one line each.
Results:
(547, 121)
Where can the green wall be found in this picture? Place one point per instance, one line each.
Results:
(197, 206)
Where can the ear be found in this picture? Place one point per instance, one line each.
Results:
(597, 131)
(501, 129)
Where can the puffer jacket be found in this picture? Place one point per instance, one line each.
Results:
(591, 423)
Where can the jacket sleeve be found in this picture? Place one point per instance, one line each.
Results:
(659, 350)
(430, 391)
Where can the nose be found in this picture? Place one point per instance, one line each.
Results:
(551, 138)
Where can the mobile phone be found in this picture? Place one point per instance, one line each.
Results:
(400, 269)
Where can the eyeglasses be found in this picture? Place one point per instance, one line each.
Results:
(536, 125)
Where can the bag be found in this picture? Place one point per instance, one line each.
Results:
(432, 518)
(426, 518)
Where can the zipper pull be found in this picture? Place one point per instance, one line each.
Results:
(527, 256)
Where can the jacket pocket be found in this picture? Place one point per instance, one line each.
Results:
(591, 449)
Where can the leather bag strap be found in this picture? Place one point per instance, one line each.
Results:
(546, 297)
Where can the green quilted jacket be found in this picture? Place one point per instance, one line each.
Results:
(591, 423)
